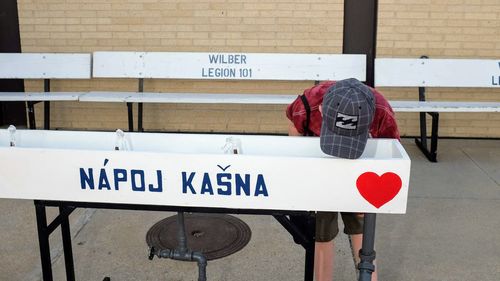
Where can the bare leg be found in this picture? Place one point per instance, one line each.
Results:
(357, 242)
(323, 261)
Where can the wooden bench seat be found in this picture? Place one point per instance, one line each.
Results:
(209, 98)
(444, 106)
(40, 96)
(196, 98)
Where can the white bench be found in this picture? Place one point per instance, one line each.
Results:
(247, 66)
(216, 66)
(424, 72)
(43, 66)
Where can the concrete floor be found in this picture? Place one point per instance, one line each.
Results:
(450, 232)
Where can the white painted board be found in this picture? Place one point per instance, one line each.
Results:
(44, 66)
(105, 96)
(233, 66)
(212, 98)
(204, 98)
(196, 98)
(397, 72)
(40, 96)
(444, 106)
(271, 172)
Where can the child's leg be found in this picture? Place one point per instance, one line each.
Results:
(323, 260)
(326, 230)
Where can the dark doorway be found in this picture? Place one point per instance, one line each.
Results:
(10, 42)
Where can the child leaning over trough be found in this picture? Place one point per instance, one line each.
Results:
(344, 113)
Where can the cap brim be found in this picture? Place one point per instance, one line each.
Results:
(342, 146)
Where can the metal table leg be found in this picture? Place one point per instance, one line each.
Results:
(43, 239)
(66, 239)
(367, 252)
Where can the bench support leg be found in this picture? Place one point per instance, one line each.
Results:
(139, 107)
(130, 117)
(46, 113)
(46, 106)
(422, 141)
(31, 115)
(139, 117)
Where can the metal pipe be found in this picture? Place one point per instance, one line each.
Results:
(367, 252)
(188, 255)
(183, 253)
(181, 233)
(202, 265)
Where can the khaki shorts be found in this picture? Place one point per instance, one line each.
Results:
(327, 225)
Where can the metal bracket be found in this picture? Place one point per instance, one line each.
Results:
(422, 141)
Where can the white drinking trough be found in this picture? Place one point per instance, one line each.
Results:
(200, 170)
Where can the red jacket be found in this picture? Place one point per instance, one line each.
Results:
(383, 126)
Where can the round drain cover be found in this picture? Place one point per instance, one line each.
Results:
(214, 235)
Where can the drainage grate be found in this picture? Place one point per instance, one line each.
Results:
(214, 235)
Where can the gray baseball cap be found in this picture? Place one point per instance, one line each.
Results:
(348, 110)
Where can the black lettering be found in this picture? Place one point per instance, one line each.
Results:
(159, 188)
(242, 185)
(260, 187)
(213, 58)
(495, 81)
(224, 183)
(206, 185)
(120, 176)
(133, 175)
(187, 183)
(86, 179)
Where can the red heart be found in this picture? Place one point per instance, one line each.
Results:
(378, 190)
